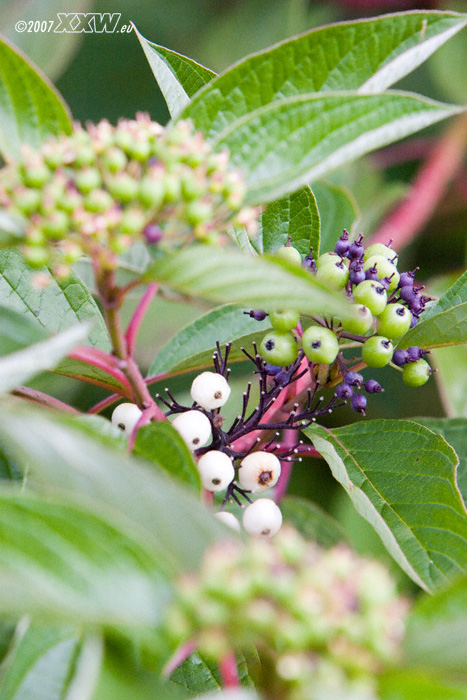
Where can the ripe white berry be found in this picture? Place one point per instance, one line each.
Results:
(194, 427)
(263, 517)
(259, 471)
(228, 519)
(216, 470)
(210, 390)
(125, 417)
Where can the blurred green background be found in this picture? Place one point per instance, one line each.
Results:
(107, 76)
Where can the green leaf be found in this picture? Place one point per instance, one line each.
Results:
(337, 211)
(30, 107)
(222, 276)
(435, 637)
(55, 307)
(401, 478)
(451, 378)
(298, 139)
(60, 560)
(197, 341)
(17, 331)
(296, 216)
(402, 684)
(11, 229)
(178, 77)
(161, 444)
(19, 366)
(43, 664)
(368, 56)
(199, 675)
(454, 431)
(58, 455)
(444, 323)
(312, 521)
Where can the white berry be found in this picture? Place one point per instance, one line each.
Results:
(263, 517)
(228, 519)
(210, 390)
(259, 471)
(194, 427)
(216, 470)
(125, 417)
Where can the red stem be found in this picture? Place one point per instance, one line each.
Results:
(431, 182)
(101, 405)
(41, 399)
(136, 319)
(228, 671)
(90, 357)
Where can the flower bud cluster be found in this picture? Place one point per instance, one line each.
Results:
(316, 615)
(98, 190)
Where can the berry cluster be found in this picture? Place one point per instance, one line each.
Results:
(97, 191)
(324, 621)
(386, 305)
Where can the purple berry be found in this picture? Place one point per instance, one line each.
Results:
(343, 244)
(152, 234)
(282, 378)
(407, 293)
(373, 387)
(372, 273)
(272, 370)
(309, 262)
(358, 403)
(416, 305)
(400, 358)
(353, 378)
(257, 314)
(407, 278)
(414, 353)
(414, 321)
(356, 250)
(344, 391)
(357, 275)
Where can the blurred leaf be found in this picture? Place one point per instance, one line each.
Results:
(54, 307)
(161, 444)
(296, 216)
(223, 324)
(312, 521)
(17, 331)
(30, 108)
(444, 323)
(451, 378)
(11, 229)
(368, 56)
(17, 367)
(411, 684)
(337, 211)
(222, 276)
(59, 455)
(436, 634)
(449, 82)
(61, 561)
(199, 675)
(454, 431)
(334, 129)
(178, 77)
(401, 479)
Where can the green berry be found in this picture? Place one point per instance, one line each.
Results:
(320, 345)
(284, 320)
(123, 187)
(279, 348)
(139, 149)
(36, 175)
(192, 187)
(385, 268)
(28, 200)
(114, 159)
(85, 156)
(35, 257)
(151, 192)
(289, 254)
(416, 373)
(70, 201)
(333, 274)
(379, 249)
(56, 225)
(327, 258)
(98, 201)
(362, 321)
(198, 212)
(394, 321)
(172, 188)
(377, 351)
(133, 221)
(87, 179)
(371, 294)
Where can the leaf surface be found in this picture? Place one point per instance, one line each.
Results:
(337, 211)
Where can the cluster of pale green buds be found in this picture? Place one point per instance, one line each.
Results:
(100, 189)
(319, 616)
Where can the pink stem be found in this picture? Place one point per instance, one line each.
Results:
(430, 184)
(152, 411)
(289, 440)
(101, 405)
(136, 319)
(228, 671)
(41, 399)
(179, 657)
(86, 355)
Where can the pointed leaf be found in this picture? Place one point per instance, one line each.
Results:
(451, 378)
(30, 108)
(337, 211)
(295, 216)
(303, 138)
(224, 324)
(17, 367)
(444, 323)
(178, 77)
(401, 478)
(369, 55)
(227, 275)
(18, 331)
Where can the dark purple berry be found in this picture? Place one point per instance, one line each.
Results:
(272, 370)
(356, 250)
(414, 321)
(407, 293)
(417, 305)
(407, 278)
(372, 273)
(344, 391)
(373, 387)
(414, 353)
(282, 378)
(353, 378)
(257, 314)
(357, 275)
(400, 358)
(309, 262)
(152, 234)
(358, 403)
(343, 244)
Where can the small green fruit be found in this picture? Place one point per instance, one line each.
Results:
(394, 321)
(362, 322)
(385, 268)
(333, 274)
(379, 249)
(279, 348)
(284, 320)
(87, 180)
(416, 373)
(320, 345)
(123, 187)
(371, 294)
(377, 351)
(289, 254)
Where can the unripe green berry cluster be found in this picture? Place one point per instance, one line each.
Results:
(315, 614)
(103, 187)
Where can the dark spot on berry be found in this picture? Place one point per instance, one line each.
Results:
(265, 478)
(316, 344)
(216, 482)
(401, 312)
(195, 441)
(218, 395)
(121, 426)
(269, 345)
(385, 343)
